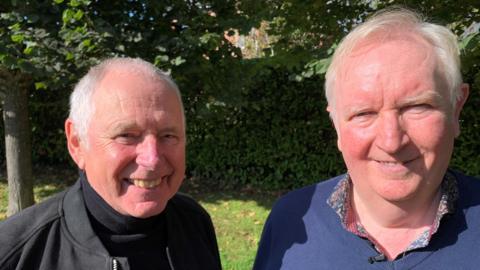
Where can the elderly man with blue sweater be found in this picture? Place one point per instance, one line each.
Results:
(394, 94)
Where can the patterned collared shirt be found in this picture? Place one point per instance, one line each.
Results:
(340, 198)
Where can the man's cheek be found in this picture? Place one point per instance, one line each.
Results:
(354, 142)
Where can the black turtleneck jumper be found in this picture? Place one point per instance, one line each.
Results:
(142, 241)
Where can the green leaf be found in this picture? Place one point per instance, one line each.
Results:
(40, 85)
(464, 43)
(10, 62)
(69, 56)
(205, 38)
(28, 50)
(322, 65)
(178, 61)
(58, 1)
(74, 3)
(30, 47)
(85, 44)
(78, 15)
(17, 38)
(161, 59)
(68, 15)
(26, 66)
(308, 73)
(14, 27)
(120, 47)
(161, 48)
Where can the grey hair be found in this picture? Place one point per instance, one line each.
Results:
(389, 22)
(82, 106)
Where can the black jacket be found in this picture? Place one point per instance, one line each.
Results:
(56, 234)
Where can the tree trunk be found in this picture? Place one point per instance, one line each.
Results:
(17, 143)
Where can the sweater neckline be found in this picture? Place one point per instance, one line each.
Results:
(109, 221)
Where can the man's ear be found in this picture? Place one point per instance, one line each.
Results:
(464, 90)
(75, 146)
(334, 123)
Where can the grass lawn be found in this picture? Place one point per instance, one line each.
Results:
(238, 216)
(238, 220)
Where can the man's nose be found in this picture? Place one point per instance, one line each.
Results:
(148, 153)
(391, 135)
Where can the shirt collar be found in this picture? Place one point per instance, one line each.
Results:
(340, 198)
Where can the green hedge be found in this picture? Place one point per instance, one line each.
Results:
(278, 137)
(466, 156)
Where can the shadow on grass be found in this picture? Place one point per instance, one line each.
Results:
(264, 200)
(212, 194)
(48, 180)
(51, 180)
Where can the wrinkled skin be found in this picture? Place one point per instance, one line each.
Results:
(394, 120)
(134, 156)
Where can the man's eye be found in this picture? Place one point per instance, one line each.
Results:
(170, 138)
(126, 137)
(417, 108)
(363, 115)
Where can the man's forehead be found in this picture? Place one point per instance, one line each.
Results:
(378, 56)
(126, 84)
(402, 45)
(405, 66)
(132, 95)
(120, 73)
(387, 35)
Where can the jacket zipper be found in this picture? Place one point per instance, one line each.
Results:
(114, 264)
(170, 262)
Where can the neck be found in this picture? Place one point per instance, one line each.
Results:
(395, 225)
(109, 220)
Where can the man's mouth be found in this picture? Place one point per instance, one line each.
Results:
(144, 183)
(389, 163)
(395, 163)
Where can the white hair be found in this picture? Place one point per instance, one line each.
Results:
(390, 22)
(82, 106)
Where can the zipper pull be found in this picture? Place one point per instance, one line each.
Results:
(114, 264)
(170, 262)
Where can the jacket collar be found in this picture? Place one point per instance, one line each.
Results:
(77, 221)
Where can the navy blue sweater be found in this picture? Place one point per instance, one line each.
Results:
(304, 232)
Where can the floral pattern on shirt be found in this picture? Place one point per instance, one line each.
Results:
(340, 198)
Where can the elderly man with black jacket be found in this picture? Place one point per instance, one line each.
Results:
(126, 133)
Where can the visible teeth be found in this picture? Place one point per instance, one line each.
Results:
(145, 183)
(389, 162)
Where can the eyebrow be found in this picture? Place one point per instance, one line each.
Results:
(168, 129)
(122, 126)
(429, 95)
(424, 96)
(355, 109)
(125, 126)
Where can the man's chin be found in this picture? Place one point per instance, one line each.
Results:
(146, 209)
(400, 191)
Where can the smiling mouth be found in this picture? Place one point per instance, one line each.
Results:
(144, 183)
(395, 163)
